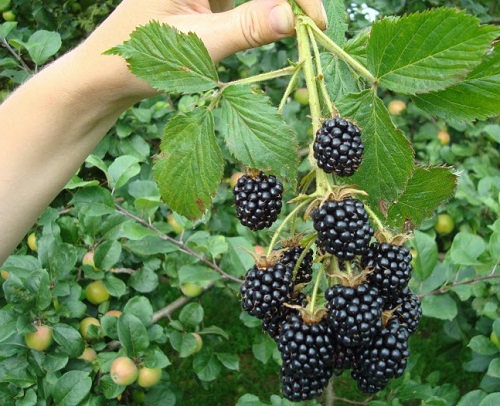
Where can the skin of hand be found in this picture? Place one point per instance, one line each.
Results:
(53, 122)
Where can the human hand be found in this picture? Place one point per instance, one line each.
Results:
(223, 29)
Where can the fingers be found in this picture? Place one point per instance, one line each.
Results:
(315, 10)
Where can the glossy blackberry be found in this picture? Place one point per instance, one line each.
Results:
(345, 357)
(338, 147)
(391, 266)
(355, 314)
(408, 309)
(307, 352)
(271, 323)
(290, 258)
(343, 228)
(266, 289)
(385, 358)
(258, 200)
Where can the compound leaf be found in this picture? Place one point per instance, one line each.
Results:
(388, 157)
(427, 51)
(256, 134)
(425, 191)
(191, 165)
(168, 59)
(476, 98)
(337, 21)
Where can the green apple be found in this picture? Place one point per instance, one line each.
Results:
(123, 371)
(444, 224)
(96, 292)
(191, 290)
(86, 323)
(32, 242)
(9, 15)
(199, 342)
(88, 259)
(302, 96)
(88, 354)
(444, 137)
(148, 377)
(396, 107)
(39, 340)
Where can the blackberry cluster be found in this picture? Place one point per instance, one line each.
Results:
(354, 314)
(258, 200)
(407, 309)
(307, 352)
(384, 359)
(338, 147)
(391, 265)
(343, 228)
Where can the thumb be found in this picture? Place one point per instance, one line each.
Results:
(255, 23)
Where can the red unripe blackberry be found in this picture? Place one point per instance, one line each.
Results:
(338, 147)
(385, 358)
(408, 309)
(266, 289)
(391, 266)
(290, 258)
(258, 200)
(354, 314)
(343, 228)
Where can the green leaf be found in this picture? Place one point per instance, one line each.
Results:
(107, 254)
(427, 255)
(493, 399)
(96, 198)
(42, 45)
(69, 339)
(256, 134)
(132, 334)
(466, 248)
(198, 274)
(7, 27)
(140, 307)
(425, 191)
(191, 314)
(230, 361)
(494, 368)
(475, 98)
(339, 78)
(427, 51)
(472, 398)
(168, 59)
(122, 170)
(337, 21)
(72, 388)
(482, 345)
(144, 280)
(263, 349)
(191, 164)
(441, 307)
(206, 366)
(388, 158)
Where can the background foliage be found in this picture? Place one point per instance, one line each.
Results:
(151, 260)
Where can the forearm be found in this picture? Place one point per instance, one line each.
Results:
(49, 126)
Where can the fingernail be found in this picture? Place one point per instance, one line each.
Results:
(281, 19)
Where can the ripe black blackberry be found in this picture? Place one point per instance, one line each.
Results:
(271, 323)
(291, 256)
(355, 314)
(338, 147)
(391, 266)
(385, 358)
(307, 352)
(265, 289)
(407, 309)
(343, 227)
(258, 200)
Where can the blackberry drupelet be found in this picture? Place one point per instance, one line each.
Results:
(258, 200)
(355, 314)
(271, 323)
(391, 266)
(338, 147)
(408, 309)
(385, 358)
(290, 258)
(266, 289)
(343, 228)
(307, 352)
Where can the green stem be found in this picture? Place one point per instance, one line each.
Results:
(374, 217)
(289, 70)
(301, 258)
(332, 47)
(282, 225)
(320, 75)
(348, 267)
(291, 85)
(316, 287)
